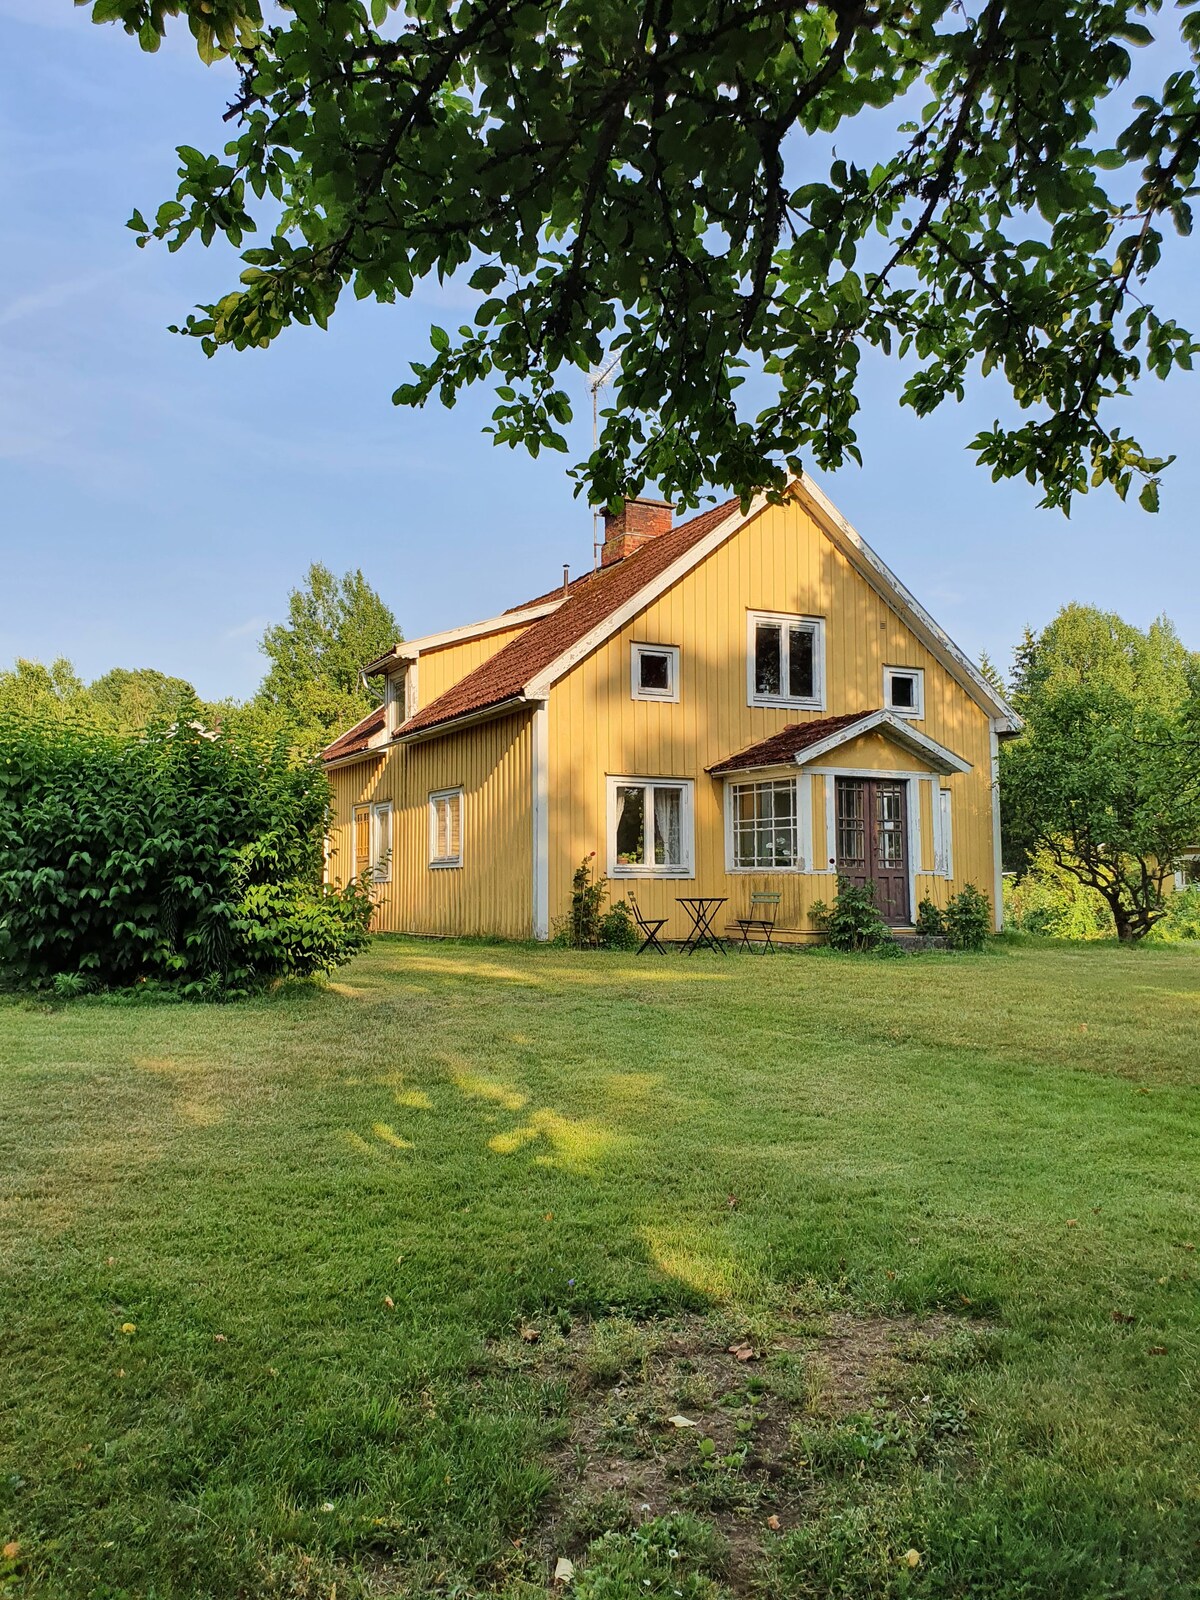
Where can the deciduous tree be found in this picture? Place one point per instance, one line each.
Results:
(314, 686)
(657, 180)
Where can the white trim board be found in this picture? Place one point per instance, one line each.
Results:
(540, 775)
(895, 727)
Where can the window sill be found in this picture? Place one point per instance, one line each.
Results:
(769, 872)
(780, 703)
(443, 866)
(676, 873)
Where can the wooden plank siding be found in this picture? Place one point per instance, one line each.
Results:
(781, 561)
(443, 666)
(490, 893)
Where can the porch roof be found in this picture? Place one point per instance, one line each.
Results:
(802, 742)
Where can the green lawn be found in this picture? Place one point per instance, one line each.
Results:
(324, 1219)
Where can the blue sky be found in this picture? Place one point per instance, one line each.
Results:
(155, 507)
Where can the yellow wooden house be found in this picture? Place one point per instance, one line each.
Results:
(747, 700)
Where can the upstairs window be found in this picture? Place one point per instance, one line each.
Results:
(904, 691)
(786, 660)
(655, 672)
(649, 828)
(445, 828)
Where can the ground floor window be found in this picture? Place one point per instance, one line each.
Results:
(373, 840)
(445, 828)
(650, 827)
(765, 831)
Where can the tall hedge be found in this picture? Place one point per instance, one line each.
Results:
(176, 857)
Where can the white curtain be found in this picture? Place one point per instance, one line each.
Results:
(667, 827)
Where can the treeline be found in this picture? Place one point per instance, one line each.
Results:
(312, 689)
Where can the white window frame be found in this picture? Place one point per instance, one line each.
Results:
(803, 788)
(393, 703)
(636, 689)
(687, 828)
(381, 870)
(917, 710)
(786, 620)
(441, 863)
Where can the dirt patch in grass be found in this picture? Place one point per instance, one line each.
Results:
(696, 1415)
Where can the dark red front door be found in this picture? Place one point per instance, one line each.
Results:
(872, 841)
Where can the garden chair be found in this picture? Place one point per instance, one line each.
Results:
(648, 927)
(764, 908)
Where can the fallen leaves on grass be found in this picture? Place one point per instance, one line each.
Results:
(530, 1334)
(12, 1550)
(912, 1558)
(678, 1421)
(564, 1570)
(1157, 1350)
(743, 1351)
(129, 1327)
(774, 1523)
(1123, 1316)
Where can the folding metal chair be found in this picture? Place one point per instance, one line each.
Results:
(764, 908)
(648, 927)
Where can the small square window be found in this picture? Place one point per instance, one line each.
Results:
(445, 828)
(655, 672)
(904, 691)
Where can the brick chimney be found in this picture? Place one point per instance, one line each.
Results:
(637, 522)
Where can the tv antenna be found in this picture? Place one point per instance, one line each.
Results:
(595, 384)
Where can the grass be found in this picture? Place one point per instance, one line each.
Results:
(264, 1268)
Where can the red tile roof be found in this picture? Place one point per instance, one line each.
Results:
(357, 738)
(787, 743)
(589, 602)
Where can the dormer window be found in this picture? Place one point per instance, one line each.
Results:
(655, 672)
(904, 691)
(785, 660)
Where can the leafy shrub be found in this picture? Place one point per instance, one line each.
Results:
(618, 930)
(587, 926)
(1182, 920)
(968, 919)
(930, 923)
(1047, 900)
(177, 857)
(853, 921)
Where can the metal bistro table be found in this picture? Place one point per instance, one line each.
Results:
(702, 909)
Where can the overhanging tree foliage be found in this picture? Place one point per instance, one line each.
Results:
(652, 179)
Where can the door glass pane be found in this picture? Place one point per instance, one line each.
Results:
(768, 669)
(668, 827)
(631, 825)
(889, 814)
(655, 671)
(851, 824)
(800, 663)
